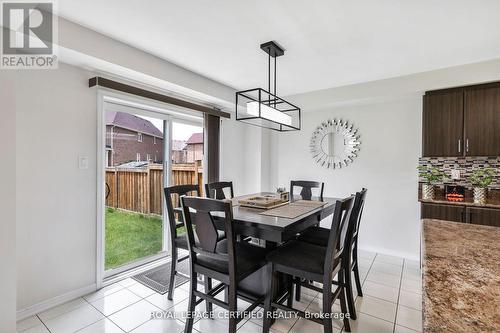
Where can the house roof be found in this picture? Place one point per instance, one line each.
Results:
(132, 122)
(195, 138)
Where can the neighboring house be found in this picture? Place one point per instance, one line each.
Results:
(194, 148)
(131, 138)
(179, 153)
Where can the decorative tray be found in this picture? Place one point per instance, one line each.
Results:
(262, 202)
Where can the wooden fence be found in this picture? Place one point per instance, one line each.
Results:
(141, 189)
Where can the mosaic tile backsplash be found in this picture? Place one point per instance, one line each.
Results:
(466, 165)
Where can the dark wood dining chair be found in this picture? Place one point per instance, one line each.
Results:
(306, 189)
(228, 264)
(216, 190)
(308, 262)
(178, 241)
(319, 236)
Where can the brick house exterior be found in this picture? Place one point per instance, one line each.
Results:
(131, 138)
(194, 147)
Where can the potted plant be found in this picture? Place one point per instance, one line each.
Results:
(480, 179)
(432, 175)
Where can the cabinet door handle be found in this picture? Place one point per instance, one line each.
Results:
(459, 145)
(467, 145)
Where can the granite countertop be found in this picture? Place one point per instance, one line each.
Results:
(461, 277)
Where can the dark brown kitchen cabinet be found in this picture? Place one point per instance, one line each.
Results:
(482, 120)
(483, 216)
(462, 121)
(442, 212)
(443, 119)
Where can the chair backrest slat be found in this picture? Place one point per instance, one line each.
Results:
(200, 211)
(174, 193)
(216, 190)
(306, 188)
(354, 222)
(341, 217)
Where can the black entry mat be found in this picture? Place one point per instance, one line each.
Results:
(158, 278)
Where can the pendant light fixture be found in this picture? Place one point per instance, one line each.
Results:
(264, 108)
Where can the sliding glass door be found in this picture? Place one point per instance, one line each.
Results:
(145, 149)
(134, 177)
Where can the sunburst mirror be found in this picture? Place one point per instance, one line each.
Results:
(334, 144)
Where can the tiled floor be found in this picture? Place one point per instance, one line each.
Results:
(392, 303)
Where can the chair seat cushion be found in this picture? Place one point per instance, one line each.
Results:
(300, 255)
(315, 235)
(249, 258)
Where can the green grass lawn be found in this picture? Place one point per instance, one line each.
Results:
(131, 236)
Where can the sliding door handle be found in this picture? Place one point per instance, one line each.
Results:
(467, 145)
(459, 145)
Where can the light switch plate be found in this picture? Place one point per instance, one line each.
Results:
(83, 162)
(455, 174)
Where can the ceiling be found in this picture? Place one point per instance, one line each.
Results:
(329, 43)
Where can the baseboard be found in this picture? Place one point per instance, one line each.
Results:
(406, 255)
(55, 301)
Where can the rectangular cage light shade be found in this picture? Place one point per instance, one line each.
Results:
(261, 108)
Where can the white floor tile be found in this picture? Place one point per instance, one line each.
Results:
(134, 315)
(376, 307)
(402, 329)
(389, 259)
(384, 278)
(141, 290)
(161, 326)
(37, 329)
(414, 286)
(380, 291)
(164, 303)
(412, 274)
(316, 306)
(369, 324)
(29, 322)
(283, 325)
(409, 318)
(115, 302)
(364, 264)
(303, 325)
(410, 300)
(250, 327)
(366, 254)
(61, 309)
(102, 326)
(212, 325)
(413, 264)
(106, 291)
(386, 268)
(74, 320)
(127, 282)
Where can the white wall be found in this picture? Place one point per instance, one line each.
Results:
(390, 147)
(56, 201)
(7, 204)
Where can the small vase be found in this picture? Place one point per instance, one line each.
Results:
(427, 192)
(480, 195)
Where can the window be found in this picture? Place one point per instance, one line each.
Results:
(148, 157)
(154, 140)
(139, 137)
(138, 157)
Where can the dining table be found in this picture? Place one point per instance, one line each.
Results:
(271, 231)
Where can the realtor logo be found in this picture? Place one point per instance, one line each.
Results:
(28, 35)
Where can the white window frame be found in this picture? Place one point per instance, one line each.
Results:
(154, 140)
(138, 157)
(167, 112)
(139, 137)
